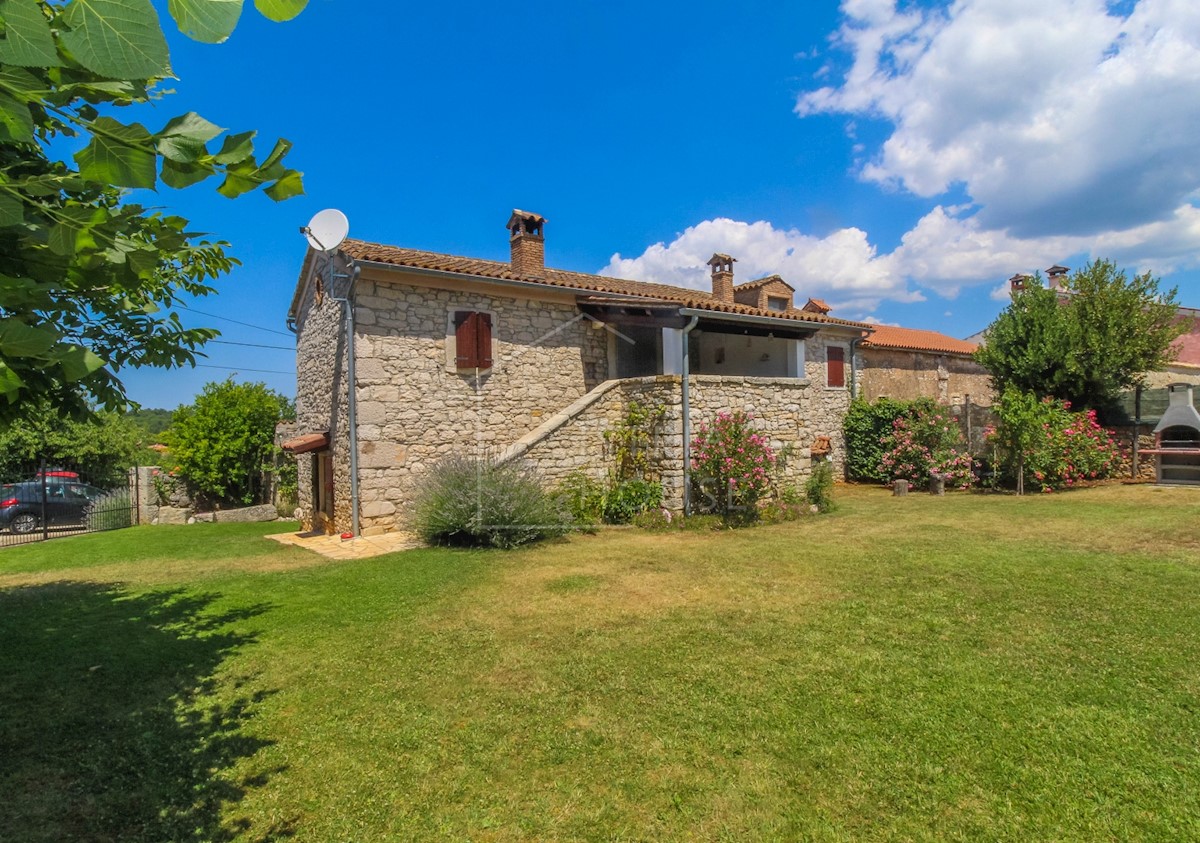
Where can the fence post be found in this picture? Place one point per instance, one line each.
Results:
(45, 493)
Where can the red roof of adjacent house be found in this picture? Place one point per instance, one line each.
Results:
(911, 339)
(416, 259)
(1187, 347)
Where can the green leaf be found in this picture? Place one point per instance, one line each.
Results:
(179, 176)
(12, 211)
(236, 148)
(183, 139)
(20, 340)
(208, 21)
(27, 40)
(10, 383)
(290, 185)
(280, 10)
(240, 178)
(118, 154)
(16, 123)
(120, 39)
(78, 362)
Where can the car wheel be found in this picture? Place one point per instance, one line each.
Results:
(24, 523)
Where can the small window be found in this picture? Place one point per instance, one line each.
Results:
(835, 366)
(776, 303)
(472, 339)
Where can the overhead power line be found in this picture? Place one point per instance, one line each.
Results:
(234, 321)
(255, 345)
(243, 369)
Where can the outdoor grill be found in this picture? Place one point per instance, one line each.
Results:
(1177, 439)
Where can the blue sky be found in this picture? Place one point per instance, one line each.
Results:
(898, 162)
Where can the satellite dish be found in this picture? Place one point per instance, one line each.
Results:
(326, 231)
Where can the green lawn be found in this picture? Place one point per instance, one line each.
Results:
(967, 667)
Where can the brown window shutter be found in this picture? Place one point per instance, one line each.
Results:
(483, 334)
(466, 343)
(835, 361)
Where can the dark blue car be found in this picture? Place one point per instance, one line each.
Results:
(66, 504)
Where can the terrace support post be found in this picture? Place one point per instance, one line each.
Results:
(1137, 429)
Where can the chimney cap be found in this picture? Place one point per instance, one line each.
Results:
(1058, 269)
(525, 220)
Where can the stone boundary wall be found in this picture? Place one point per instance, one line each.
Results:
(906, 375)
(792, 413)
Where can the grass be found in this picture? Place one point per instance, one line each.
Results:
(963, 668)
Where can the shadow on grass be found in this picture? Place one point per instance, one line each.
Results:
(109, 729)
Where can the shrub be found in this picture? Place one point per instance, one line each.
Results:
(1043, 443)
(732, 466)
(865, 427)
(629, 498)
(926, 442)
(583, 498)
(480, 503)
(818, 490)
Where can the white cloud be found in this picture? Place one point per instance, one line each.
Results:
(1056, 116)
(842, 266)
(1071, 127)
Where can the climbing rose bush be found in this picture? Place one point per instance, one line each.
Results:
(928, 442)
(732, 465)
(1052, 446)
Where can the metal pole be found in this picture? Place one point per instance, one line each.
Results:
(45, 492)
(351, 401)
(687, 421)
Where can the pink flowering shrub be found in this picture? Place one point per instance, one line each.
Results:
(731, 465)
(927, 442)
(1044, 444)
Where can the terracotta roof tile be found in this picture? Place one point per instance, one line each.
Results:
(417, 259)
(911, 339)
(749, 285)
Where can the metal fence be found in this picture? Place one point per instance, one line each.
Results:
(44, 500)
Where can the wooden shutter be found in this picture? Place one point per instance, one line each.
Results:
(835, 363)
(483, 338)
(472, 340)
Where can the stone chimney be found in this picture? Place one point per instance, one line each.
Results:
(1019, 283)
(722, 277)
(528, 243)
(1057, 276)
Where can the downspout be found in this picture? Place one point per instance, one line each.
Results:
(351, 398)
(687, 421)
(854, 344)
(351, 381)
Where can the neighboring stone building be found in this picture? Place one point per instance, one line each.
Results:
(905, 363)
(454, 355)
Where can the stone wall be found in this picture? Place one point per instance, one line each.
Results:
(321, 400)
(414, 408)
(906, 375)
(792, 413)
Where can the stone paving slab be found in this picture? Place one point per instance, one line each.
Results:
(360, 547)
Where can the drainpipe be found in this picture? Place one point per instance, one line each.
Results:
(687, 422)
(351, 381)
(854, 344)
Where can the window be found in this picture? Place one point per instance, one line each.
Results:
(472, 339)
(835, 366)
(776, 303)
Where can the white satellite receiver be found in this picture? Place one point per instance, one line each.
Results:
(326, 230)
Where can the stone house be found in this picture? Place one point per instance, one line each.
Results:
(520, 361)
(905, 363)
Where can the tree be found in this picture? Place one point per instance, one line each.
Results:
(88, 279)
(1085, 344)
(101, 447)
(224, 443)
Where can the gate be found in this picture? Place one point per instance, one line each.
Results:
(50, 500)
